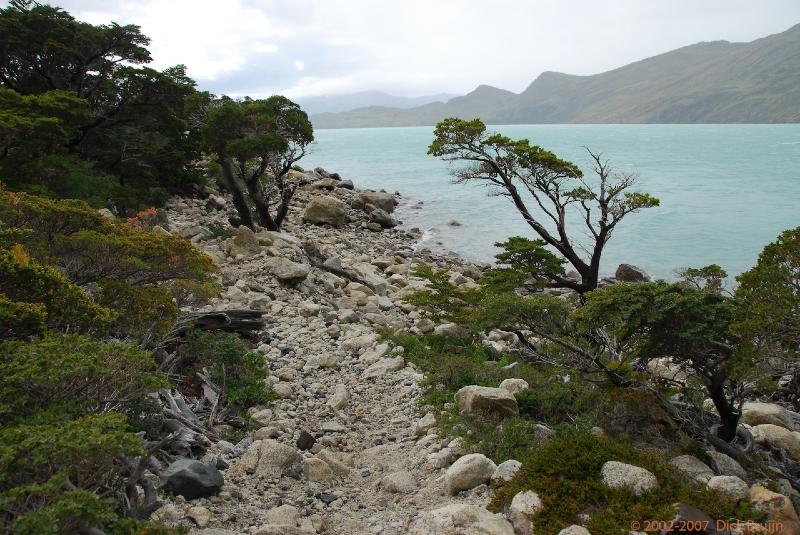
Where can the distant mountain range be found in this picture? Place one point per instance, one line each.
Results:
(351, 101)
(710, 82)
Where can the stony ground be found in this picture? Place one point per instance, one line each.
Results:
(346, 449)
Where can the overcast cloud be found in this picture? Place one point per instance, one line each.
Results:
(415, 47)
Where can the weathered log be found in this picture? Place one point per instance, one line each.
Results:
(245, 322)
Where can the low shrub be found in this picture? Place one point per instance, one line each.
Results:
(144, 312)
(72, 374)
(565, 471)
(20, 320)
(231, 364)
(65, 305)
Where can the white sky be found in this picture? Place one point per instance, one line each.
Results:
(416, 47)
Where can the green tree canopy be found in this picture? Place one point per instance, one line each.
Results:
(256, 142)
(98, 113)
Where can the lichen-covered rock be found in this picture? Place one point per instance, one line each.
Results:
(526, 502)
(472, 399)
(506, 470)
(461, 519)
(693, 468)
(729, 486)
(285, 270)
(727, 466)
(574, 530)
(325, 209)
(468, 472)
(270, 459)
(779, 508)
(618, 475)
(515, 386)
(451, 330)
(201, 516)
(778, 437)
(756, 413)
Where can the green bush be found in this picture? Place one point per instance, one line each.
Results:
(20, 320)
(145, 312)
(89, 248)
(240, 372)
(61, 476)
(73, 375)
(66, 306)
(565, 472)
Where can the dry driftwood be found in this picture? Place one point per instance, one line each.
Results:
(242, 321)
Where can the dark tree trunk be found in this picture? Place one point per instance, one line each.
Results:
(729, 417)
(283, 209)
(239, 200)
(262, 207)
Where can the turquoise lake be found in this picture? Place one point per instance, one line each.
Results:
(725, 190)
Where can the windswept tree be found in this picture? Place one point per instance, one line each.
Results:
(524, 172)
(256, 142)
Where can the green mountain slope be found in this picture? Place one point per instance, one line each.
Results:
(715, 82)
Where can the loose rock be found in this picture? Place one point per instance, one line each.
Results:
(468, 472)
(191, 479)
(620, 475)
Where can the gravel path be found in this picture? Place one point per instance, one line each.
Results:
(343, 451)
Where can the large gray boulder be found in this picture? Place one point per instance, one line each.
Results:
(382, 218)
(727, 466)
(191, 479)
(778, 437)
(245, 243)
(270, 459)
(757, 413)
(461, 519)
(473, 399)
(325, 209)
(729, 486)
(285, 270)
(384, 201)
(693, 468)
(629, 273)
(618, 475)
(468, 472)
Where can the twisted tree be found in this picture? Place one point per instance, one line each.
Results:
(518, 170)
(256, 142)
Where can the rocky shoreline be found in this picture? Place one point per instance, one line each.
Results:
(344, 449)
(347, 447)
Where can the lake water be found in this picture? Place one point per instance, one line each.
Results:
(725, 190)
